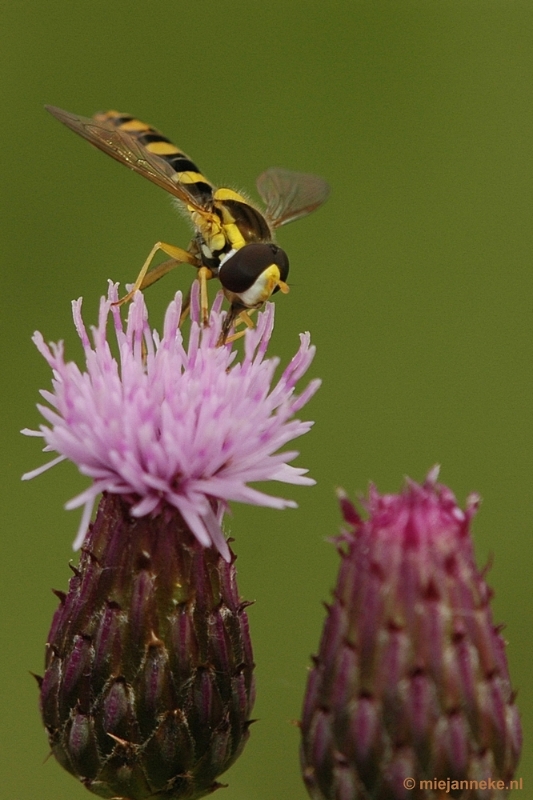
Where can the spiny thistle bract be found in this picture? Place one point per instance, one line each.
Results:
(148, 685)
(411, 681)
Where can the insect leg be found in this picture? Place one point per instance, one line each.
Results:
(235, 314)
(245, 317)
(204, 275)
(155, 274)
(178, 255)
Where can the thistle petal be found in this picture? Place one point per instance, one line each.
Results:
(171, 423)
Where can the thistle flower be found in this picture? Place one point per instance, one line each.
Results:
(411, 682)
(169, 427)
(148, 685)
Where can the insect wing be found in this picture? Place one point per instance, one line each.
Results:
(125, 148)
(290, 195)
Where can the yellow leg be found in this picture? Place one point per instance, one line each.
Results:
(234, 317)
(204, 275)
(233, 338)
(244, 317)
(186, 307)
(228, 323)
(155, 274)
(178, 255)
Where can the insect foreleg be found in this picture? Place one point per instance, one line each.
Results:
(204, 275)
(148, 276)
(235, 316)
(245, 318)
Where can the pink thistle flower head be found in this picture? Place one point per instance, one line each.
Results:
(411, 681)
(170, 425)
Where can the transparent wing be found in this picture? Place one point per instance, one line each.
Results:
(125, 148)
(289, 195)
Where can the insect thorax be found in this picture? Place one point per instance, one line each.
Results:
(231, 224)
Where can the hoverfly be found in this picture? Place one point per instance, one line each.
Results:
(233, 240)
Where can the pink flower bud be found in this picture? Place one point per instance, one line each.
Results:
(411, 678)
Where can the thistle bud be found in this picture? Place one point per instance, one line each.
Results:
(411, 683)
(148, 685)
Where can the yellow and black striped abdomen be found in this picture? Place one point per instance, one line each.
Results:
(194, 184)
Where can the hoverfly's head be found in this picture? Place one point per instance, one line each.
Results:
(251, 274)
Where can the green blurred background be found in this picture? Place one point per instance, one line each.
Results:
(415, 281)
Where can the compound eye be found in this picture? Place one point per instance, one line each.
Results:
(241, 269)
